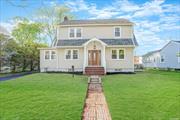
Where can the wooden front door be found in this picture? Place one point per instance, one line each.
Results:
(94, 57)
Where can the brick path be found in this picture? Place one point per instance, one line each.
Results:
(95, 106)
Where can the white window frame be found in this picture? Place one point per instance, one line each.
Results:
(71, 56)
(55, 54)
(75, 33)
(178, 56)
(117, 52)
(115, 31)
(45, 55)
(65, 53)
(77, 54)
(161, 57)
(50, 53)
(70, 32)
(112, 54)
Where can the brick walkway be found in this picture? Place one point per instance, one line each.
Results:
(95, 106)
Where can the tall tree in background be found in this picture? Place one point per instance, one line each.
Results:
(50, 17)
(27, 36)
(3, 41)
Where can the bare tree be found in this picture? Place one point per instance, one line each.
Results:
(50, 17)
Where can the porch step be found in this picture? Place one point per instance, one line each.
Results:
(94, 71)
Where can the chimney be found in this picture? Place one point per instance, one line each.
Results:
(65, 18)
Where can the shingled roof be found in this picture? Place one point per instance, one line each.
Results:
(80, 42)
(96, 21)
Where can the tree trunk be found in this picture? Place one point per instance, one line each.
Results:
(38, 65)
(31, 65)
(24, 65)
(14, 68)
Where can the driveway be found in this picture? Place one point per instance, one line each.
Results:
(10, 77)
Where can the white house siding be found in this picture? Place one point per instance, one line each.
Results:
(66, 65)
(126, 65)
(47, 65)
(89, 32)
(170, 55)
(60, 63)
(153, 60)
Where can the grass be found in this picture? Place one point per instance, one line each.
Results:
(150, 95)
(43, 96)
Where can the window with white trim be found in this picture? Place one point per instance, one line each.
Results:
(121, 54)
(114, 54)
(178, 56)
(47, 55)
(71, 32)
(53, 55)
(50, 55)
(71, 54)
(117, 31)
(78, 32)
(162, 59)
(118, 54)
(75, 54)
(68, 54)
(75, 33)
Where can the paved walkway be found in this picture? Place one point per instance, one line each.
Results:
(95, 106)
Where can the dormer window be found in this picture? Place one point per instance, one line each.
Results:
(78, 32)
(72, 33)
(75, 33)
(117, 31)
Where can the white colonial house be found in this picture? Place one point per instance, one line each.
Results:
(167, 57)
(91, 47)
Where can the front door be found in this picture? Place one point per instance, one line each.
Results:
(94, 57)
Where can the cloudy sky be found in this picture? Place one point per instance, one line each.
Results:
(156, 21)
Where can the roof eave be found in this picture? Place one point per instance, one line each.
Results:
(125, 24)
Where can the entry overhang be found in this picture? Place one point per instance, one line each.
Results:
(94, 39)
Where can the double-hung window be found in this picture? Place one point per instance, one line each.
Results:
(114, 54)
(178, 56)
(47, 55)
(117, 31)
(50, 55)
(68, 54)
(53, 55)
(121, 54)
(118, 54)
(72, 33)
(162, 59)
(71, 54)
(75, 54)
(75, 33)
(78, 32)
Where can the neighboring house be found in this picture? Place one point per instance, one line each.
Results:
(137, 60)
(138, 63)
(91, 46)
(167, 57)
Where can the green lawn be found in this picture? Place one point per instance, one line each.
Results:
(43, 96)
(150, 95)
